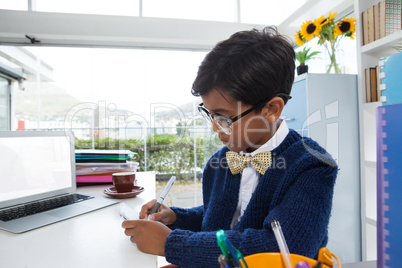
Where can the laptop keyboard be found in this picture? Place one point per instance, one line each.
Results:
(20, 211)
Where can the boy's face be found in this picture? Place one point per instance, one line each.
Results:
(250, 131)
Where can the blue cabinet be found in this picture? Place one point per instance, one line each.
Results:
(295, 111)
(325, 108)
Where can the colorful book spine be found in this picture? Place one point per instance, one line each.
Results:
(365, 28)
(371, 25)
(372, 83)
(389, 186)
(381, 10)
(376, 9)
(382, 19)
(391, 82)
(97, 166)
(392, 16)
(95, 179)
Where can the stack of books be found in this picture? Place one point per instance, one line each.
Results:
(373, 82)
(97, 166)
(383, 81)
(381, 20)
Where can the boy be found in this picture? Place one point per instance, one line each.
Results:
(244, 83)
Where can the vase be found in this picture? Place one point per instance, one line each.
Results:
(301, 69)
(331, 48)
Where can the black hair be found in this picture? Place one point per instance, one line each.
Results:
(250, 66)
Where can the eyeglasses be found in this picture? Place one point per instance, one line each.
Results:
(225, 123)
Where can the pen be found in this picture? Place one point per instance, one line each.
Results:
(225, 262)
(229, 251)
(280, 239)
(163, 195)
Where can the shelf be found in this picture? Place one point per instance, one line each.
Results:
(369, 56)
(371, 105)
(370, 163)
(370, 188)
(383, 47)
(371, 221)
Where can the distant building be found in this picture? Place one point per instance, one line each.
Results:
(17, 65)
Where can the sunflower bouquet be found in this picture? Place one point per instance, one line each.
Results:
(329, 33)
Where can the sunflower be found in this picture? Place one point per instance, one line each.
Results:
(331, 17)
(299, 38)
(310, 29)
(324, 21)
(346, 27)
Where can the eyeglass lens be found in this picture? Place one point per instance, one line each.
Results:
(205, 114)
(222, 122)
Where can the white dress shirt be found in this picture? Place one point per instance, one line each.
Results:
(250, 176)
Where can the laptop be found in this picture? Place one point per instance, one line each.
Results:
(37, 180)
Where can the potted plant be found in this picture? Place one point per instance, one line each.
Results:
(302, 57)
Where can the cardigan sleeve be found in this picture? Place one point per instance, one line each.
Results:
(188, 218)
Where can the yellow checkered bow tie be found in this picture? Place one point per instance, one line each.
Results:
(261, 162)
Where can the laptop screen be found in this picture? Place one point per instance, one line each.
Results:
(35, 165)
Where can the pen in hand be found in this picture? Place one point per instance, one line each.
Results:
(162, 196)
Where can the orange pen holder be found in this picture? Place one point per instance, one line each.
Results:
(263, 260)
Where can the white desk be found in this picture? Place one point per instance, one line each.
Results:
(95, 239)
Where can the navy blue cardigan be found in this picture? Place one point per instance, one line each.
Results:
(296, 190)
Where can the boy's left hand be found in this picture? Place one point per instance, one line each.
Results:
(150, 236)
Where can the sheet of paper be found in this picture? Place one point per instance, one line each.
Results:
(128, 213)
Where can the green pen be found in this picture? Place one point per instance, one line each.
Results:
(229, 250)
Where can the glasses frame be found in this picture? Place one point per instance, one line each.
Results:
(230, 121)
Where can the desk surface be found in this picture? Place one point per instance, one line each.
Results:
(95, 239)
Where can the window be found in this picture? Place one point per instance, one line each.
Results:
(100, 7)
(268, 12)
(346, 56)
(250, 11)
(123, 99)
(14, 4)
(141, 95)
(223, 10)
(4, 104)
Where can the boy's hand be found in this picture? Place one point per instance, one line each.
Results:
(165, 215)
(150, 236)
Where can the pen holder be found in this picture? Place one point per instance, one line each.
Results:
(274, 259)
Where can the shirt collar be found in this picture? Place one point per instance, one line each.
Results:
(274, 142)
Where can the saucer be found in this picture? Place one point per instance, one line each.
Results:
(113, 192)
